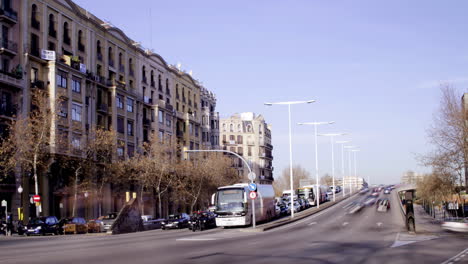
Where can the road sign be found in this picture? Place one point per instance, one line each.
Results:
(36, 198)
(4, 203)
(252, 187)
(252, 176)
(253, 195)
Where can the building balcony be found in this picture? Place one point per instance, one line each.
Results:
(37, 84)
(102, 108)
(110, 82)
(8, 15)
(12, 79)
(121, 84)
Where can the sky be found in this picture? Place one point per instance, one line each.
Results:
(373, 67)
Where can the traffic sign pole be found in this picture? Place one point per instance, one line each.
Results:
(252, 177)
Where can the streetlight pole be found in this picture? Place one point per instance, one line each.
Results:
(349, 148)
(315, 124)
(332, 136)
(342, 165)
(290, 145)
(248, 167)
(20, 191)
(355, 170)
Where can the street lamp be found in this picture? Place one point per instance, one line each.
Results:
(342, 162)
(20, 191)
(290, 145)
(354, 152)
(349, 148)
(332, 136)
(315, 124)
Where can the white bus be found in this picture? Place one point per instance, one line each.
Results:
(234, 207)
(308, 192)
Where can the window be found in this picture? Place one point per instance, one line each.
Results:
(76, 141)
(239, 139)
(130, 67)
(34, 22)
(76, 85)
(224, 127)
(161, 116)
(130, 128)
(130, 150)
(239, 128)
(52, 31)
(260, 129)
(159, 83)
(35, 45)
(63, 109)
(120, 125)
(249, 128)
(51, 45)
(231, 128)
(119, 100)
(76, 112)
(61, 79)
(224, 138)
(66, 34)
(168, 121)
(191, 129)
(81, 46)
(161, 136)
(120, 151)
(152, 115)
(249, 151)
(129, 105)
(196, 130)
(99, 50)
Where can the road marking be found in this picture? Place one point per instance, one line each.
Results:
(313, 223)
(345, 223)
(195, 239)
(346, 206)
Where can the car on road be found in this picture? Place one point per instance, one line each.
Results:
(356, 207)
(73, 225)
(150, 223)
(202, 220)
(176, 221)
(108, 220)
(370, 200)
(363, 191)
(42, 226)
(387, 191)
(456, 225)
(95, 226)
(383, 205)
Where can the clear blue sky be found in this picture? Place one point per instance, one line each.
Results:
(373, 66)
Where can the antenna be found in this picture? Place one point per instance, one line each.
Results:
(151, 28)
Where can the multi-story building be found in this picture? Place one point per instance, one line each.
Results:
(249, 136)
(411, 177)
(104, 79)
(354, 182)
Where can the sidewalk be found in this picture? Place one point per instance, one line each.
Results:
(424, 222)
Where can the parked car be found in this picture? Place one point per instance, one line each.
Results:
(176, 221)
(95, 226)
(150, 223)
(302, 205)
(283, 208)
(73, 225)
(42, 226)
(456, 225)
(202, 220)
(296, 208)
(108, 220)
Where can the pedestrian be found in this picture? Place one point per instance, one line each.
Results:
(9, 225)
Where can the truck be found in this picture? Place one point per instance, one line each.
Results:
(233, 206)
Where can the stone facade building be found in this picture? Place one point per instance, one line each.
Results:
(105, 79)
(249, 136)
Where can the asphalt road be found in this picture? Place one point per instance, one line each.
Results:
(330, 236)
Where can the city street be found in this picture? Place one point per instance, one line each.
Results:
(330, 236)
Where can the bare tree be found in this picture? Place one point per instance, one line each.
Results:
(283, 182)
(327, 180)
(436, 187)
(199, 177)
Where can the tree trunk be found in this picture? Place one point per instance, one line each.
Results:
(76, 193)
(141, 201)
(159, 205)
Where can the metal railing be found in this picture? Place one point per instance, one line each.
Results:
(10, 13)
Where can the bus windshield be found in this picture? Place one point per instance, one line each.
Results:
(230, 200)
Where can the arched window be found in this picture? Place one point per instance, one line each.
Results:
(110, 55)
(143, 73)
(177, 90)
(81, 46)
(249, 128)
(121, 63)
(152, 78)
(159, 82)
(66, 34)
(224, 127)
(99, 50)
(34, 21)
(231, 128)
(52, 31)
(260, 129)
(130, 66)
(239, 128)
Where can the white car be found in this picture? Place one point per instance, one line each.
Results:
(460, 225)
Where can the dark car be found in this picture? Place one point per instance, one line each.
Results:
(42, 226)
(202, 220)
(176, 221)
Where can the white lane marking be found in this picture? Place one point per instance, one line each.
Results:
(346, 206)
(402, 243)
(313, 223)
(195, 239)
(379, 223)
(345, 223)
